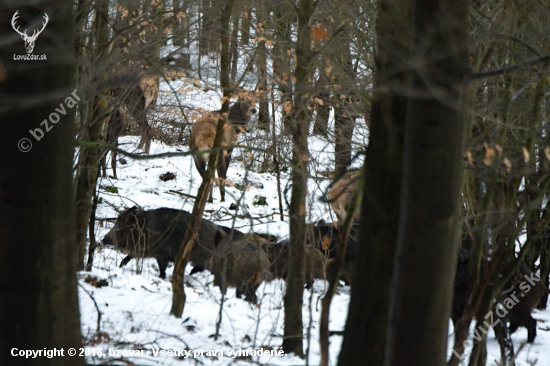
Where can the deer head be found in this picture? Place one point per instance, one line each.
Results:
(29, 40)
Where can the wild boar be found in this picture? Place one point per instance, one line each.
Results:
(524, 289)
(246, 265)
(158, 234)
(324, 236)
(316, 262)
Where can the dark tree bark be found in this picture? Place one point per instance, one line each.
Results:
(293, 335)
(38, 287)
(320, 127)
(344, 122)
(234, 49)
(368, 310)
(89, 157)
(432, 181)
(263, 113)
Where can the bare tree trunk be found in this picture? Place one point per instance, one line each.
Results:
(89, 157)
(344, 123)
(367, 321)
(281, 60)
(38, 286)
(263, 115)
(429, 218)
(320, 127)
(334, 276)
(178, 293)
(293, 335)
(234, 49)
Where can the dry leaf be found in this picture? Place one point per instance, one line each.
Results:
(470, 158)
(325, 243)
(288, 107)
(547, 152)
(489, 155)
(526, 155)
(508, 164)
(319, 33)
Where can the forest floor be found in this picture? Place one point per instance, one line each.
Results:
(135, 322)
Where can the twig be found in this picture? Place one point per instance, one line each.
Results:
(490, 73)
(98, 327)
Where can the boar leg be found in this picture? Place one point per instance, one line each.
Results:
(125, 261)
(196, 269)
(531, 329)
(163, 263)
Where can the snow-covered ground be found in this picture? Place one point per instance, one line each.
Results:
(135, 307)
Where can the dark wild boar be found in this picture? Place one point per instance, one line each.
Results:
(324, 236)
(158, 234)
(203, 133)
(316, 262)
(527, 292)
(246, 265)
(524, 289)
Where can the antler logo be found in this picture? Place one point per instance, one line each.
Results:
(29, 40)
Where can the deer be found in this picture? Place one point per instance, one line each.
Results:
(112, 129)
(202, 137)
(341, 193)
(138, 100)
(29, 40)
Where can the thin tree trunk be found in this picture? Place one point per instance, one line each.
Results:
(429, 217)
(38, 285)
(281, 61)
(344, 123)
(178, 293)
(320, 127)
(263, 115)
(89, 157)
(234, 50)
(293, 328)
(334, 276)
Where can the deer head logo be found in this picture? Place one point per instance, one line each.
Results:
(29, 40)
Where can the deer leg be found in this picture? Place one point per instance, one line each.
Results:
(103, 163)
(223, 165)
(139, 113)
(200, 164)
(113, 160)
